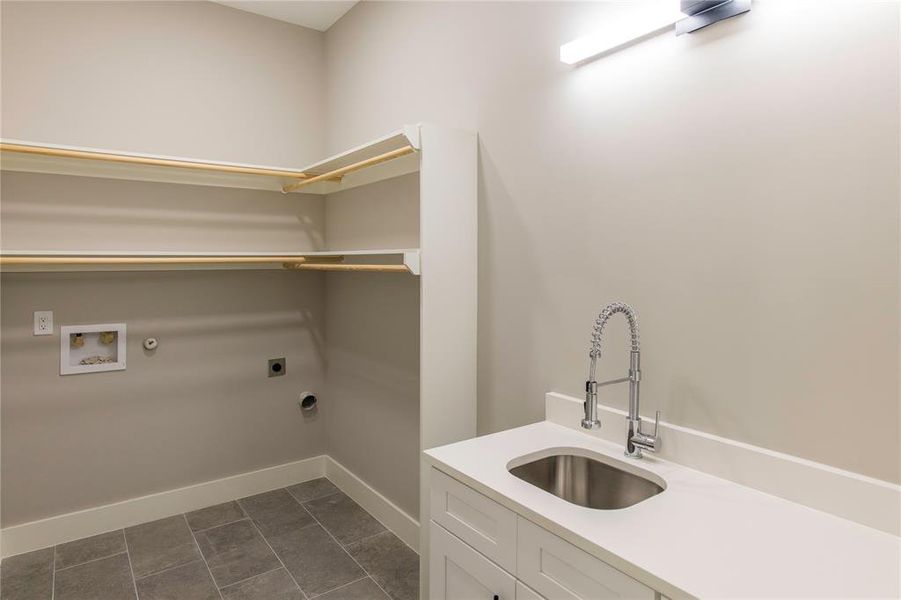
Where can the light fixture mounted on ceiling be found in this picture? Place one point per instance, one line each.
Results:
(693, 15)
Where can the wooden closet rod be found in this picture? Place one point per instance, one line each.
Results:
(338, 173)
(300, 263)
(347, 267)
(157, 162)
(147, 260)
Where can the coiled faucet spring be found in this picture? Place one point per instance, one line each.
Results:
(597, 332)
(636, 440)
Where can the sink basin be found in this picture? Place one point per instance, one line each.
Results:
(587, 482)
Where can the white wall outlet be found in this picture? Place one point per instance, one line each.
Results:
(43, 322)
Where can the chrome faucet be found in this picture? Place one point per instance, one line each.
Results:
(636, 440)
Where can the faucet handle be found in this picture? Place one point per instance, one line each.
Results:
(646, 441)
(656, 423)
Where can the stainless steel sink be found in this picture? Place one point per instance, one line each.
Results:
(587, 482)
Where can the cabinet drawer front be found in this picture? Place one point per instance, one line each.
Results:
(524, 592)
(458, 572)
(479, 521)
(558, 570)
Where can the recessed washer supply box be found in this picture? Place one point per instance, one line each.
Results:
(91, 348)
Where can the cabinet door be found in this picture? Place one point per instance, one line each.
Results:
(458, 572)
(558, 570)
(477, 520)
(524, 592)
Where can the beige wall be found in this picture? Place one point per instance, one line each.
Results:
(188, 79)
(192, 79)
(372, 328)
(372, 410)
(59, 212)
(740, 187)
(199, 408)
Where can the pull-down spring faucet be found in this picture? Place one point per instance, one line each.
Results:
(636, 440)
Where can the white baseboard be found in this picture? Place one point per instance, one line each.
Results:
(92, 521)
(389, 514)
(853, 496)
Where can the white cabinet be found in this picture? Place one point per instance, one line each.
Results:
(481, 550)
(458, 572)
(524, 592)
(477, 520)
(559, 570)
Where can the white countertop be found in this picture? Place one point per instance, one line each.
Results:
(703, 536)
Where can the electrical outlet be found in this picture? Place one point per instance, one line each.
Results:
(43, 322)
(276, 367)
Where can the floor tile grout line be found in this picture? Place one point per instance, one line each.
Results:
(343, 585)
(205, 529)
(81, 539)
(53, 576)
(55, 552)
(372, 536)
(253, 577)
(235, 502)
(266, 540)
(299, 501)
(127, 550)
(131, 569)
(202, 557)
(87, 562)
(246, 516)
(366, 537)
(329, 533)
(384, 527)
(277, 557)
(161, 571)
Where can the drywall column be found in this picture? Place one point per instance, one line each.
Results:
(448, 231)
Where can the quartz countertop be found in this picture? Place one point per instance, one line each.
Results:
(702, 536)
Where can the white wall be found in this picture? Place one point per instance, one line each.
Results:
(739, 186)
(191, 79)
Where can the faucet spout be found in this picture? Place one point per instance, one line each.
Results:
(594, 353)
(636, 440)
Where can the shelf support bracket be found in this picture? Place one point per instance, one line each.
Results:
(411, 261)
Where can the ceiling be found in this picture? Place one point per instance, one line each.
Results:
(315, 14)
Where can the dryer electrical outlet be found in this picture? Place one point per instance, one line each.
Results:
(276, 367)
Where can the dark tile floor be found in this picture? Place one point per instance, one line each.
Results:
(306, 541)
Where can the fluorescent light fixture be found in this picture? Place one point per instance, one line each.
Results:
(641, 20)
